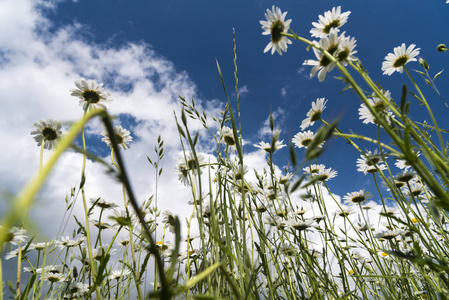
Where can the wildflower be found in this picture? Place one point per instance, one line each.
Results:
(123, 241)
(379, 105)
(186, 164)
(121, 135)
(99, 252)
(101, 225)
(68, 243)
(91, 94)
(117, 274)
(77, 289)
(15, 236)
(47, 132)
(388, 234)
(283, 179)
(331, 19)
(314, 114)
(54, 277)
(267, 146)
(404, 164)
(12, 254)
(122, 218)
(227, 137)
(344, 212)
(325, 174)
(40, 246)
(275, 25)
(102, 203)
(397, 60)
(405, 176)
(314, 169)
(415, 188)
(370, 162)
(302, 139)
(346, 50)
(301, 225)
(323, 64)
(169, 219)
(357, 197)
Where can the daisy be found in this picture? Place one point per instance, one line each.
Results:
(323, 64)
(274, 26)
(121, 135)
(314, 114)
(415, 188)
(314, 169)
(117, 274)
(301, 225)
(357, 197)
(302, 139)
(227, 136)
(15, 236)
(267, 146)
(77, 289)
(405, 176)
(404, 164)
(346, 50)
(102, 203)
(186, 164)
(397, 60)
(379, 105)
(326, 174)
(91, 94)
(331, 19)
(370, 162)
(47, 132)
(54, 277)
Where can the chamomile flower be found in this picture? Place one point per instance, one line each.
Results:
(188, 163)
(102, 203)
(302, 139)
(117, 274)
(122, 137)
(325, 174)
(331, 19)
(346, 50)
(404, 164)
(15, 236)
(227, 137)
(314, 168)
(274, 26)
(314, 114)
(323, 64)
(357, 197)
(91, 94)
(370, 162)
(267, 146)
(47, 132)
(397, 60)
(379, 105)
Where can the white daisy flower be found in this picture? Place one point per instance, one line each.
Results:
(357, 197)
(314, 113)
(302, 139)
(186, 164)
(404, 164)
(274, 26)
(226, 136)
(331, 19)
(397, 60)
(47, 132)
(122, 137)
(15, 236)
(370, 162)
(267, 146)
(323, 65)
(117, 274)
(379, 105)
(346, 50)
(326, 174)
(314, 169)
(102, 203)
(91, 94)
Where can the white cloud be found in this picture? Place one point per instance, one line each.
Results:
(38, 70)
(284, 91)
(279, 116)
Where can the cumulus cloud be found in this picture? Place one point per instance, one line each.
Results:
(39, 67)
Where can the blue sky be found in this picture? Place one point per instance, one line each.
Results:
(148, 52)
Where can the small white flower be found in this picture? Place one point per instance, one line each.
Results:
(331, 19)
(323, 64)
(47, 132)
(357, 197)
(91, 94)
(314, 114)
(370, 162)
(274, 26)
(226, 136)
(15, 236)
(302, 139)
(379, 105)
(267, 146)
(122, 137)
(397, 60)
